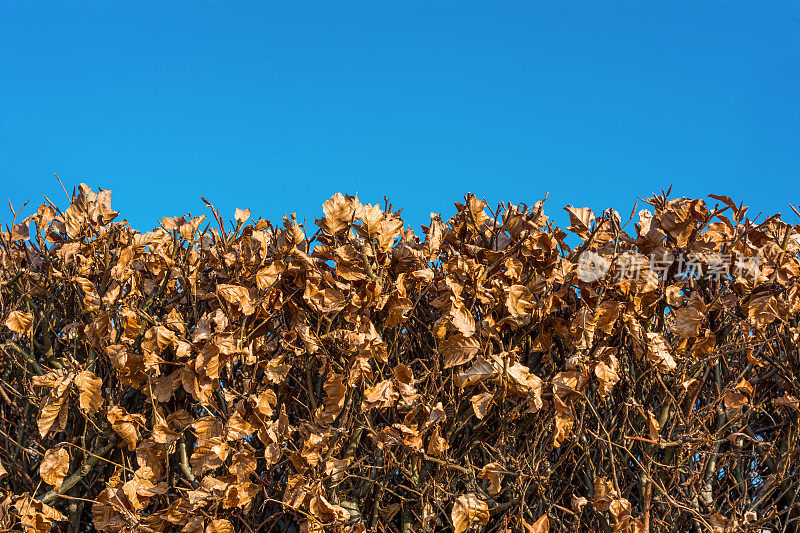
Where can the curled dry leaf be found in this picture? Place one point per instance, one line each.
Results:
(19, 322)
(580, 219)
(54, 466)
(542, 525)
(500, 369)
(54, 408)
(608, 378)
(90, 396)
(340, 211)
(494, 473)
(620, 509)
(722, 524)
(237, 295)
(673, 295)
(787, 400)
(520, 301)
(480, 404)
(469, 510)
(437, 445)
(734, 400)
(335, 390)
(380, 396)
(688, 321)
(577, 503)
(220, 525)
(35, 516)
(653, 427)
(126, 425)
(604, 493)
(658, 352)
(458, 350)
(241, 215)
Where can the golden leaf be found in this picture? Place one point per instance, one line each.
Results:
(237, 295)
(763, 310)
(51, 411)
(325, 511)
(237, 428)
(494, 473)
(74, 218)
(469, 510)
(580, 220)
(434, 236)
(577, 503)
(734, 400)
(380, 396)
(437, 445)
(564, 422)
(745, 387)
(582, 328)
(608, 378)
(54, 467)
(20, 232)
(787, 400)
(658, 352)
(209, 454)
(653, 427)
(333, 403)
(621, 511)
(688, 321)
(162, 433)
(19, 322)
(90, 396)
(604, 493)
(126, 425)
(242, 215)
(267, 276)
(458, 350)
(340, 211)
(398, 309)
(542, 525)
(220, 525)
(138, 491)
(519, 301)
(673, 295)
(480, 404)
(309, 338)
(481, 370)
(35, 516)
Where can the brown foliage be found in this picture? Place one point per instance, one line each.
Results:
(484, 375)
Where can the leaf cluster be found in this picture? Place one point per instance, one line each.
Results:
(490, 373)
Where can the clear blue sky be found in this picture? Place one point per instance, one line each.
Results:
(276, 105)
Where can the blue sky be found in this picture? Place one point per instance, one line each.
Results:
(277, 105)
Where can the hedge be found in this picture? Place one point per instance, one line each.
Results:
(491, 372)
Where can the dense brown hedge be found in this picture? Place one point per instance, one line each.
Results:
(482, 375)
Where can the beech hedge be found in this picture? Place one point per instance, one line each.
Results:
(490, 372)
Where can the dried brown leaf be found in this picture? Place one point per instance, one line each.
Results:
(469, 510)
(19, 322)
(54, 466)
